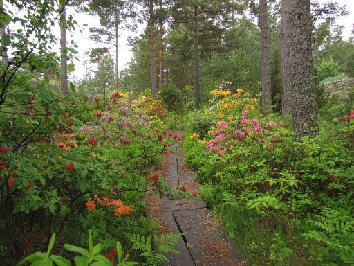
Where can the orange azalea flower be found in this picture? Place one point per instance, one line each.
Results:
(91, 205)
(124, 210)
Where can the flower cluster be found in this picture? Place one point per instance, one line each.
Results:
(236, 121)
(348, 117)
(120, 209)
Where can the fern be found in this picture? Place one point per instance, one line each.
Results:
(154, 256)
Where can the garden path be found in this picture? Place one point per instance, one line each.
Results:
(202, 242)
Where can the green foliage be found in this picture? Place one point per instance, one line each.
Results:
(86, 257)
(327, 68)
(285, 201)
(154, 255)
(172, 97)
(200, 123)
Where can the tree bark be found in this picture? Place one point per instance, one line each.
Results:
(4, 57)
(63, 50)
(197, 92)
(162, 48)
(152, 50)
(116, 30)
(304, 109)
(266, 74)
(285, 55)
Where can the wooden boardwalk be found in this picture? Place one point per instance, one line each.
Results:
(202, 241)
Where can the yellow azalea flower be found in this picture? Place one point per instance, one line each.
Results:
(195, 135)
(203, 142)
(220, 115)
(220, 92)
(231, 118)
(227, 106)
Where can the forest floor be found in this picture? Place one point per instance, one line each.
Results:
(203, 241)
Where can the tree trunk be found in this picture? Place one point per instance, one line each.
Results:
(162, 50)
(265, 56)
(3, 47)
(152, 50)
(63, 50)
(285, 55)
(116, 30)
(304, 113)
(197, 93)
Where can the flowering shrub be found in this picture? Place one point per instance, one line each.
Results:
(260, 179)
(73, 166)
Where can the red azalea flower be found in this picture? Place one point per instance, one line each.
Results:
(3, 165)
(112, 254)
(3, 150)
(175, 137)
(149, 137)
(69, 167)
(194, 194)
(10, 182)
(110, 119)
(183, 189)
(126, 142)
(160, 138)
(70, 123)
(69, 131)
(99, 115)
(61, 145)
(61, 129)
(156, 179)
(108, 107)
(97, 100)
(92, 142)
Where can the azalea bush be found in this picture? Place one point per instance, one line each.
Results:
(276, 194)
(74, 163)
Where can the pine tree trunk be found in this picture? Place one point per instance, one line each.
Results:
(265, 56)
(63, 49)
(197, 92)
(152, 50)
(285, 55)
(162, 49)
(116, 30)
(304, 113)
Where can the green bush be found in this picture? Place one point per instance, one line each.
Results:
(172, 98)
(200, 123)
(327, 68)
(284, 201)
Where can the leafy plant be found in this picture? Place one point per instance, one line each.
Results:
(86, 257)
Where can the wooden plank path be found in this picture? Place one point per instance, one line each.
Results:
(202, 241)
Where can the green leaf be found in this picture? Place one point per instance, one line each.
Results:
(76, 249)
(51, 244)
(32, 258)
(90, 242)
(71, 67)
(60, 261)
(97, 249)
(44, 262)
(5, 41)
(120, 252)
(5, 19)
(101, 261)
(81, 261)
